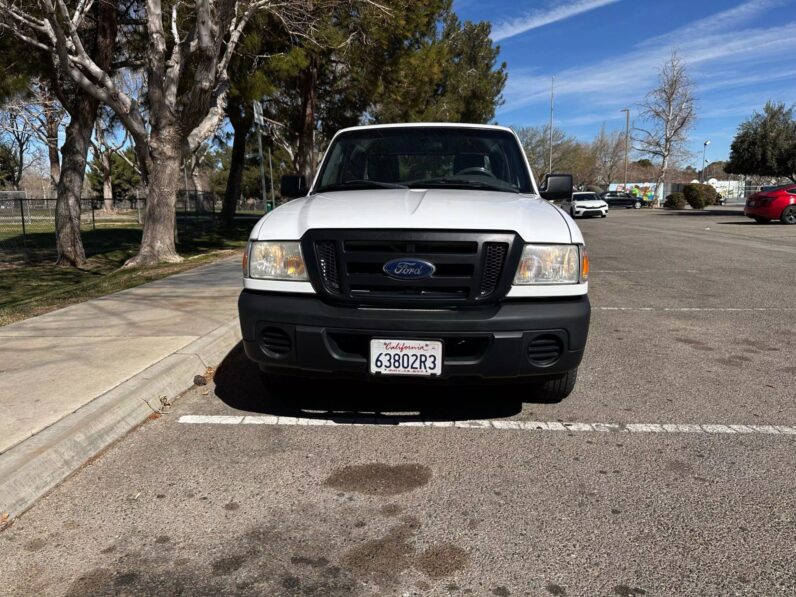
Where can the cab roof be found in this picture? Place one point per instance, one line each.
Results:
(459, 125)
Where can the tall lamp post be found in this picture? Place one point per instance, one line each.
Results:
(552, 96)
(702, 169)
(627, 141)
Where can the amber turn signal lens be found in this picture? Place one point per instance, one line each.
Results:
(246, 262)
(584, 265)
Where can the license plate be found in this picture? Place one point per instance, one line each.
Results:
(406, 357)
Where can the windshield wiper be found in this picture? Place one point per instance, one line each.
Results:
(453, 181)
(368, 184)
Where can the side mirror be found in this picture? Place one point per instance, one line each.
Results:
(557, 187)
(293, 186)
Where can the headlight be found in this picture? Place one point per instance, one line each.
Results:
(270, 260)
(551, 264)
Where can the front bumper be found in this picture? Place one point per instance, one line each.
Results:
(483, 342)
(761, 209)
(590, 211)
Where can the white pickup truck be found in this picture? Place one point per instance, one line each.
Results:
(420, 250)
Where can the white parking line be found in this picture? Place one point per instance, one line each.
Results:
(570, 427)
(719, 309)
(646, 271)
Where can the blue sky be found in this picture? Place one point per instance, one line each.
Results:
(604, 55)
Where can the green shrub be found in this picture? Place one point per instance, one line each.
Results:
(699, 196)
(675, 201)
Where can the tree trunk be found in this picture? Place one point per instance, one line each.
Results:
(55, 164)
(305, 156)
(107, 182)
(20, 166)
(659, 190)
(70, 186)
(157, 243)
(241, 123)
(82, 109)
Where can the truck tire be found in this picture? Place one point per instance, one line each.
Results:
(556, 387)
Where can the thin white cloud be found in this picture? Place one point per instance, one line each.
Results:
(540, 18)
(722, 21)
(625, 78)
(708, 46)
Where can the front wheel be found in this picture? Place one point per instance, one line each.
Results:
(637, 205)
(760, 220)
(555, 388)
(788, 216)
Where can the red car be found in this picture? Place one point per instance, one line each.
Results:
(774, 204)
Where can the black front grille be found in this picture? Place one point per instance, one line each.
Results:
(494, 258)
(326, 252)
(357, 344)
(470, 267)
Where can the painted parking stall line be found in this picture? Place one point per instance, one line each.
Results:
(709, 309)
(555, 426)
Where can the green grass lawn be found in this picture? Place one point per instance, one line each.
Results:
(36, 286)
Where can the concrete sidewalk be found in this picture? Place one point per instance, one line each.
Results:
(136, 345)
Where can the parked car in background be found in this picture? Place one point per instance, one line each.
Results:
(623, 199)
(585, 204)
(778, 203)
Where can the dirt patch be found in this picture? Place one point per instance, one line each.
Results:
(311, 562)
(696, 344)
(385, 558)
(36, 544)
(734, 360)
(626, 591)
(390, 510)
(228, 565)
(94, 582)
(379, 479)
(441, 561)
(678, 467)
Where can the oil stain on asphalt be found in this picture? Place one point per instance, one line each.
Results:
(385, 558)
(380, 479)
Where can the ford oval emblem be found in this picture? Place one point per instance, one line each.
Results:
(408, 269)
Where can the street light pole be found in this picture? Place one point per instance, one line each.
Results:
(627, 140)
(702, 169)
(552, 95)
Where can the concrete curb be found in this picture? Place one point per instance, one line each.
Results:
(38, 464)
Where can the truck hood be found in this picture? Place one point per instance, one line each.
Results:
(534, 219)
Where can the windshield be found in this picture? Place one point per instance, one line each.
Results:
(425, 157)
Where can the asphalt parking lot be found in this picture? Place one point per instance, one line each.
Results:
(669, 470)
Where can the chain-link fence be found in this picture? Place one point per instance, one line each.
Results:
(27, 224)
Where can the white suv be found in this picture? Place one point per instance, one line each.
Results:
(420, 250)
